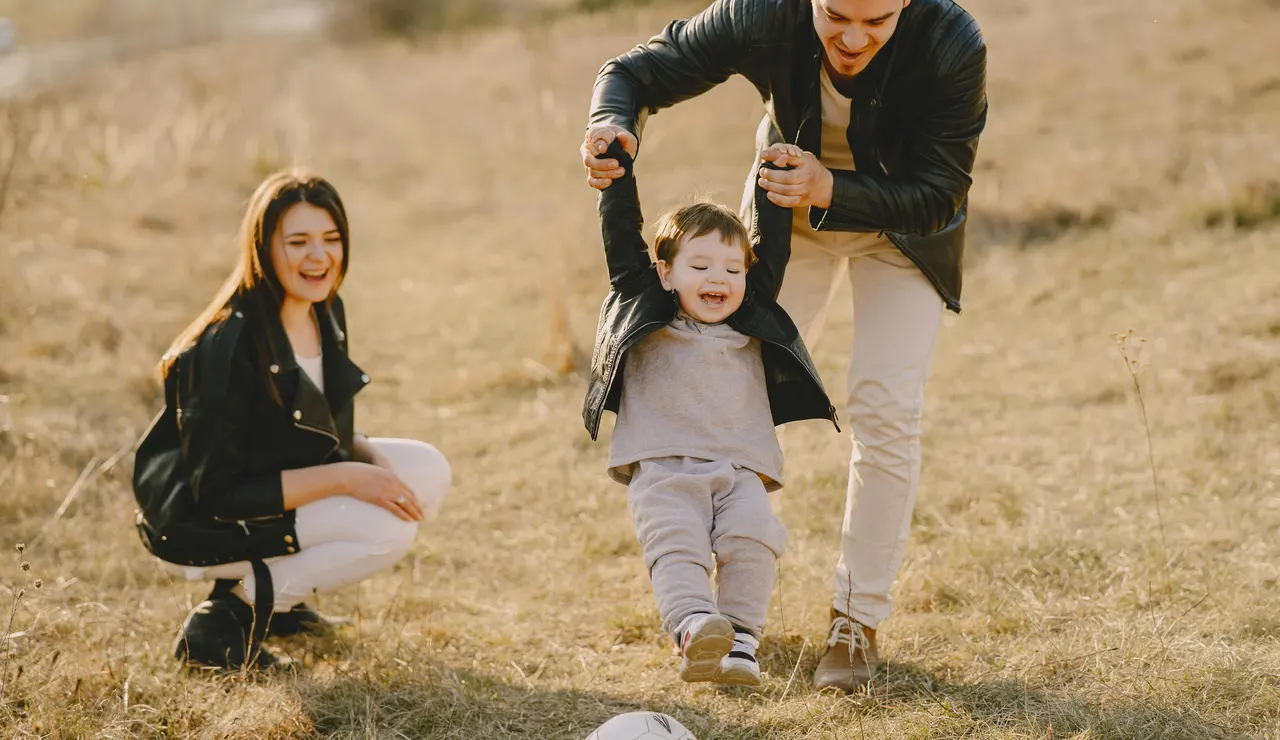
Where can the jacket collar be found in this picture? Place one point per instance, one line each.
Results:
(342, 377)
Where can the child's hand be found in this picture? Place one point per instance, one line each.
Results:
(807, 183)
(783, 155)
(602, 172)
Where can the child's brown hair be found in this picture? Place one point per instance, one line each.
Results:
(699, 219)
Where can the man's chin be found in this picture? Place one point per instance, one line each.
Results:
(842, 68)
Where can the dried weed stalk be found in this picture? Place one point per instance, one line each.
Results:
(1130, 347)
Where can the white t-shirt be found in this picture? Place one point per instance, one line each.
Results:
(314, 368)
(836, 155)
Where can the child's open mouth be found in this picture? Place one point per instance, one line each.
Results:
(713, 298)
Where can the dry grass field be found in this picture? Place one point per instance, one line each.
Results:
(1129, 179)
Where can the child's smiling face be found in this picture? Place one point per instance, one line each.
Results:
(709, 275)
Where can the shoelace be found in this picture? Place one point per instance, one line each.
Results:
(845, 630)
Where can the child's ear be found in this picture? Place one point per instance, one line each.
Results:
(664, 275)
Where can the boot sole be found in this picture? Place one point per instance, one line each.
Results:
(845, 680)
(705, 650)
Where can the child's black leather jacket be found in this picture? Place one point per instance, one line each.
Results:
(638, 305)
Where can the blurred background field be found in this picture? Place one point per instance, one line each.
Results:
(1129, 179)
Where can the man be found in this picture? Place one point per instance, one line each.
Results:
(875, 108)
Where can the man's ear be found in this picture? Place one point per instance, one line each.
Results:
(664, 275)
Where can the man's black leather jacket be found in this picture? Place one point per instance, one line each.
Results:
(917, 111)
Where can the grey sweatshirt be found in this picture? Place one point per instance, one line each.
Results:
(695, 390)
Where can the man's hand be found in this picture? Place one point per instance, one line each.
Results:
(602, 172)
(807, 183)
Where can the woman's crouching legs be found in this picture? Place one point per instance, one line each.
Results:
(421, 466)
(344, 540)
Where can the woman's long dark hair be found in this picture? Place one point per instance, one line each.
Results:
(253, 286)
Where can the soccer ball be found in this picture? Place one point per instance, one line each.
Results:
(642, 726)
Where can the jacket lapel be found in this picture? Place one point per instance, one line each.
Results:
(343, 379)
(312, 409)
(808, 93)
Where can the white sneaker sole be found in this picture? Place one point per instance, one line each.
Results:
(705, 649)
(734, 672)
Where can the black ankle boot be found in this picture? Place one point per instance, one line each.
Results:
(217, 633)
(299, 620)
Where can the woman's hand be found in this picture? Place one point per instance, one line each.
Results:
(807, 183)
(381, 487)
(602, 172)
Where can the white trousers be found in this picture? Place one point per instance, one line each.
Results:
(896, 315)
(343, 540)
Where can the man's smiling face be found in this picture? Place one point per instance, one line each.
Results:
(853, 31)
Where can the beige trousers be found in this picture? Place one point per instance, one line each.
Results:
(693, 516)
(896, 315)
(343, 540)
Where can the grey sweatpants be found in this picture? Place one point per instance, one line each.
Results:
(694, 515)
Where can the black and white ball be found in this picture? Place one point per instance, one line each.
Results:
(642, 726)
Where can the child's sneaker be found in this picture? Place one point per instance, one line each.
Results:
(704, 640)
(739, 667)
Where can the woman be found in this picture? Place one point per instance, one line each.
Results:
(253, 475)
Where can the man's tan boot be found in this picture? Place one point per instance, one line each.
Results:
(851, 658)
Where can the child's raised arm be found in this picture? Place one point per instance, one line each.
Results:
(630, 270)
(772, 254)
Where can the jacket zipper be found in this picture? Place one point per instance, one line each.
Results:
(320, 431)
(831, 409)
(244, 523)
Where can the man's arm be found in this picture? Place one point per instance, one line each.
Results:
(926, 194)
(688, 58)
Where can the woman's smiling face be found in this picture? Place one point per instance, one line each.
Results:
(307, 253)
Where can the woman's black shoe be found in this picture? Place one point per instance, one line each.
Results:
(217, 634)
(301, 620)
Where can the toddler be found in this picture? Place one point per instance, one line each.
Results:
(711, 365)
